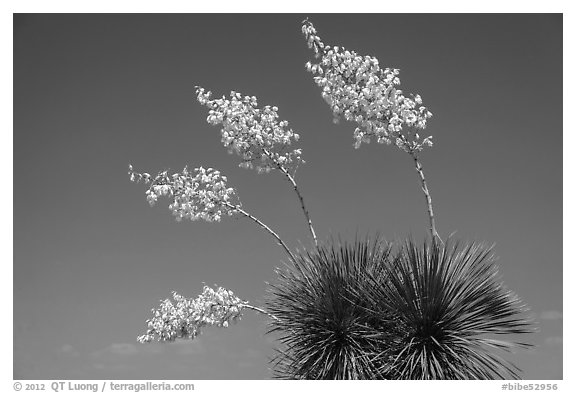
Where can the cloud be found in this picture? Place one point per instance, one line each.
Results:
(127, 349)
(553, 341)
(151, 348)
(69, 350)
(188, 347)
(551, 315)
(122, 349)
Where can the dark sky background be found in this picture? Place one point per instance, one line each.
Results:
(93, 93)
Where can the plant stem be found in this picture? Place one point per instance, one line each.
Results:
(295, 186)
(306, 214)
(266, 227)
(433, 232)
(271, 316)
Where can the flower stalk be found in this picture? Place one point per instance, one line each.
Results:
(200, 194)
(261, 311)
(358, 89)
(257, 136)
(419, 169)
(302, 205)
(262, 225)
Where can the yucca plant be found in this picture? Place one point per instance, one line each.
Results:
(364, 311)
(450, 306)
(322, 316)
(357, 310)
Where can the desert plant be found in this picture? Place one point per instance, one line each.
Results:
(365, 311)
(322, 313)
(449, 305)
(360, 310)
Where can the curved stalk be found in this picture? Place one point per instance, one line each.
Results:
(262, 311)
(266, 227)
(297, 190)
(304, 209)
(433, 232)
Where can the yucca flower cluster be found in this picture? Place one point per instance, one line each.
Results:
(357, 88)
(256, 135)
(186, 317)
(200, 194)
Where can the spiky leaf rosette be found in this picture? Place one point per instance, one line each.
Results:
(323, 322)
(451, 307)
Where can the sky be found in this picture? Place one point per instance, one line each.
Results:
(95, 92)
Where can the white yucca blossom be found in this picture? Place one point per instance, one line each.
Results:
(185, 318)
(257, 135)
(200, 194)
(357, 88)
